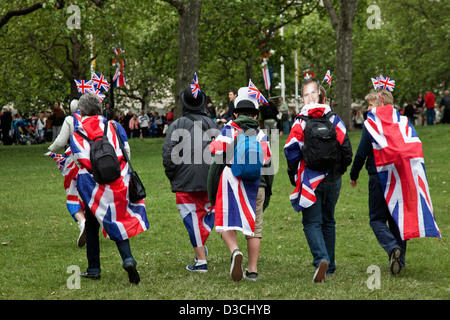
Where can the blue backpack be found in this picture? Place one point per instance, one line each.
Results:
(248, 157)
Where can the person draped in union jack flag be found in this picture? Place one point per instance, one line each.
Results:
(239, 202)
(317, 189)
(399, 200)
(188, 175)
(106, 205)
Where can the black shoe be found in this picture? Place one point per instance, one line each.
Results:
(394, 260)
(133, 275)
(92, 276)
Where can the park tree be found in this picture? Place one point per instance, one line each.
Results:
(342, 22)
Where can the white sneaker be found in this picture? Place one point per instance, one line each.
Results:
(319, 275)
(236, 265)
(82, 237)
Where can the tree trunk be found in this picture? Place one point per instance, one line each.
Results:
(188, 46)
(343, 25)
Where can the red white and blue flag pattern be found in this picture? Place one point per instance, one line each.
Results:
(85, 86)
(195, 88)
(253, 92)
(400, 164)
(197, 214)
(119, 218)
(327, 77)
(386, 83)
(69, 170)
(95, 85)
(236, 198)
(307, 179)
(100, 81)
(375, 83)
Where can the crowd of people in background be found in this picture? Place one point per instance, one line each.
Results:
(23, 128)
(424, 111)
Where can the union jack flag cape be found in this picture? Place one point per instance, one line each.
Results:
(236, 198)
(399, 160)
(69, 170)
(119, 218)
(307, 179)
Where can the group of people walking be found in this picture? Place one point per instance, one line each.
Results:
(212, 190)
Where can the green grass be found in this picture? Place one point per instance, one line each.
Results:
(38, 239)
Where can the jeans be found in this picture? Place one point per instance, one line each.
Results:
(319, 223)
(430, 116)
(380, 217)
(93, 246)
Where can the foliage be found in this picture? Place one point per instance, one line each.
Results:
(40, 56)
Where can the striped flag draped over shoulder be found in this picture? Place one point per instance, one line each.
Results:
(400, 164)
(119, 218)
(306, 178)
(236, 198)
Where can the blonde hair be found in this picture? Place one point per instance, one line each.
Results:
(380, 98)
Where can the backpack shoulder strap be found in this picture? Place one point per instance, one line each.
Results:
(84, 136)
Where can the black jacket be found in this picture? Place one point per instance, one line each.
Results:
(365, 151)
(187, 168)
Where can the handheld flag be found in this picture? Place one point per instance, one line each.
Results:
(386, 83)
(327, 78)
(253, 92)
(375, 83)
(195, 88)
(84, 86)
(100, 81)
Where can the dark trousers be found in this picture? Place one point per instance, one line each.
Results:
(319, 224)
(383, 225)
(93, 245)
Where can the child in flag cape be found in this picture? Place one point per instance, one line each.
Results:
(239, 203)
(69, 170)
(188, 175)
(399, 200)
(106, 205)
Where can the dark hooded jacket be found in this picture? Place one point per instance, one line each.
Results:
(185, 160)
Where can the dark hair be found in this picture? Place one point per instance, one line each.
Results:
(308, 81)
(234, 91)
(247, 112)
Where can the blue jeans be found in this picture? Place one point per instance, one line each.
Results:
(381, 221)
(93, 245)
(430, 116)
(319, 223)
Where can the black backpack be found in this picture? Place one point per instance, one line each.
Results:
(105, 165)
(321, 148)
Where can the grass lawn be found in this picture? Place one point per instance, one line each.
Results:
(38, 239)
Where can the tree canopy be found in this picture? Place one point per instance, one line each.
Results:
(40, 55)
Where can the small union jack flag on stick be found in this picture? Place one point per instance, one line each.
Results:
(84, 86)
(195, 88)
(327, 78)
(386, 83)
(253, 92)
(100, 81)
(375, 83)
